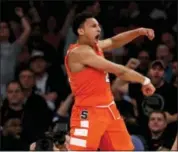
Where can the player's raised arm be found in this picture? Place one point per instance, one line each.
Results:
(123, 38)
(86, 56)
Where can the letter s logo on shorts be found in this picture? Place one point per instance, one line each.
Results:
(84, 114)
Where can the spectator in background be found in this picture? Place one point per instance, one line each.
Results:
(12, 115)
(175, 67)
(133, 10)
(12, 106)
(157, 138)
(53, 36)
(144, 58)
(175, 81)
(11, 136)
(36, 109)
(168, 39)
(163, 53)
(48, 84)
(36, 42)
(9, 51)
(165, 97)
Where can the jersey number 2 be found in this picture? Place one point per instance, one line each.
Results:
(107, 78)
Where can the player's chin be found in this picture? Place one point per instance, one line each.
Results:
(97, 40)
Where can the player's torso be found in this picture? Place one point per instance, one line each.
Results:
(90, 87)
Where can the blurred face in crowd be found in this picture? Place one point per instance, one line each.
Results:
(14, 94)
(36, 34)
(175, 67)
(132, 7)
(38, 65)
(4, 31)
(156, 74)
(143, 57)
(51, 23)
(95, 8)
(90, 30)
(27, 79)
(163, 53)
(168, 39)
(13, 127)
(157, 123)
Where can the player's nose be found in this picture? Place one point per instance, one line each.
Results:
(99, 29)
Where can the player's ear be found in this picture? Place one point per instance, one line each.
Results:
(80, 31)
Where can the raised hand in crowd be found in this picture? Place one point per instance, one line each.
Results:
(19, 11)
(34, 13)
(25, 24)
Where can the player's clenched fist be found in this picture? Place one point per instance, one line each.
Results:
(147, 88)
(147, 32)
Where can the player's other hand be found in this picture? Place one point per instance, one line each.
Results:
(147, 32)
(148, 90)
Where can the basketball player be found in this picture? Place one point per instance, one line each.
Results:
(95, 120)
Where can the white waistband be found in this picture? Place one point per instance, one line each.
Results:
(106, 106)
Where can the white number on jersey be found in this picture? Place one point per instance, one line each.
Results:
(107, 78)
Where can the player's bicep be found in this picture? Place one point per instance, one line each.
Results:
(89, 58)
(105, 44)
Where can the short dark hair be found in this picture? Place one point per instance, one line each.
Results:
(14, 81)
(80, 19)
(25, 69)
(159, 112)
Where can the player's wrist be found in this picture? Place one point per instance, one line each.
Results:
(146, 81)
(139, 30)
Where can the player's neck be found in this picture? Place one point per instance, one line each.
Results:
(84, 42)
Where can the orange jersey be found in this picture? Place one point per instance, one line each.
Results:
(90, 86)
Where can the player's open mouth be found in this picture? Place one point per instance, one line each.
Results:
(97, 37)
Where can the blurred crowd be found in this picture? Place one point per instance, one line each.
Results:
(34, 90)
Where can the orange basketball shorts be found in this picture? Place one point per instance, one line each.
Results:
(99, 127)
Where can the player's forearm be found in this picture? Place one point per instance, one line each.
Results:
(123, 38)
(118, 82)
(127, 74)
